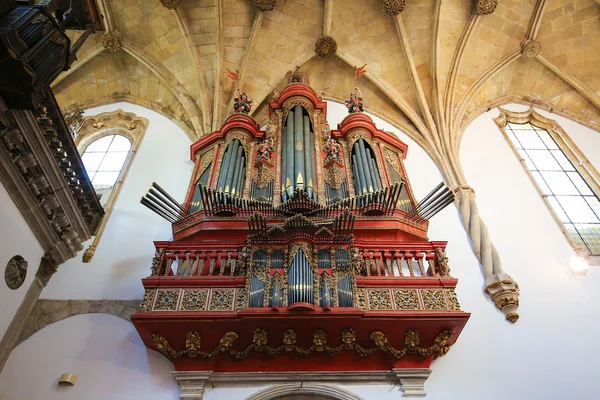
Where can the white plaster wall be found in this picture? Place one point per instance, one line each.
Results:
(125, 252)
(105, 352)
(15, 239)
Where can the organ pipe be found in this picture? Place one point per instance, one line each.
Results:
(299, 173)
(224, 163)
(375, 174)
(366, 165)
(289, 154)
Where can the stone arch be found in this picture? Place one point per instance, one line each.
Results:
(284, 392)
(106, 353)
(46, 312)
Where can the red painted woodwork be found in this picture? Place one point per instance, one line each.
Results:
(216, 240)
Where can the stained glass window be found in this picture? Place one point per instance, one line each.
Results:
(569, 195)
(104, 158)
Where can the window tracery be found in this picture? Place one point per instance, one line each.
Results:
(561, 173)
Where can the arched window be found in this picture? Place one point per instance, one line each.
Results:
(561, 174)
(104, 159)
(108, 143)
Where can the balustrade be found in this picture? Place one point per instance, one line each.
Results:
(198, 263)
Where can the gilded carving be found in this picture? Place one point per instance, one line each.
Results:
(379, 299)
(193, 344)
(194, 300)
(394, 7)
(166, 300)
(453, 303)
(433, 299)
(407, 299)
(319, 340)
(221, 300)
(157, 261)
(392, 158)
(334, 175)
(442, 259)
(111, 41)
(259, 337)
(485, 7)
(326, 46)
(146, 304)
(240, 299)
(505, 294)
(263, 175)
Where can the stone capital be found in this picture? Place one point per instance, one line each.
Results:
(191, 383)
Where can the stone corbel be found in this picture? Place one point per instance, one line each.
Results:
(412, 381)
(502, 289)
(191, 384)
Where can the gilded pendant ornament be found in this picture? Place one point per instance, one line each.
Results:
(259, 344)
(394, 7)
(111, 41)
(263, 175)
(326, 46)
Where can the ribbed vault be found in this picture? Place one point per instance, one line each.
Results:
(430, 69)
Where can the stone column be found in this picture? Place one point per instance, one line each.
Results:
(502, 289)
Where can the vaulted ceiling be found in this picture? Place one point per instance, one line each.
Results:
(431, 68)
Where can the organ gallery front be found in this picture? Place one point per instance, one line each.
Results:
(299, 248)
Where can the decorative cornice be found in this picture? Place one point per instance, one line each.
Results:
(259, 344)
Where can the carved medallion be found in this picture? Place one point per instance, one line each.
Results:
(326, 46)
(170, 4)
(265, 5)
(530, 48)
(111, 41)
(485, 7)
(15, 272)
(394, 7)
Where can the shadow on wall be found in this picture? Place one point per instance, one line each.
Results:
(104, 351)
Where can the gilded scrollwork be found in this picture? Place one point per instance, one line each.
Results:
(433, 299)
(379, 299)
(157, 262)
(166, 300)
(453, 303)
(334, 175)
(407, 299)
(221, 300)
(392, 158)
(194, 300)
(146, 304)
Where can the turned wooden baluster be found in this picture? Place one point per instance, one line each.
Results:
(419, 257)
(388, 263)
(408, 257)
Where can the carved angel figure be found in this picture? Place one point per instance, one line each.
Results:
(354, 104)
(265, 148)
(242, 104)
(334, 149)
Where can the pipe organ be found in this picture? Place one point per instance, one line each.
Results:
(298, 239)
